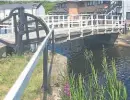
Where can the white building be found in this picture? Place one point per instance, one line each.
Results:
(126, 9)
(33, 8)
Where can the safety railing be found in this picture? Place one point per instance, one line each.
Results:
(93, 22)
(18, 88)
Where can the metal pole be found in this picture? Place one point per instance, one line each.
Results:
(45, 69)
(53, 41)
(12, 25)
(92, 23)
(63, 21)
(81, 23)
(112, 23)
(68, 27)
(105, 24)
(97, 23)
(19, 48)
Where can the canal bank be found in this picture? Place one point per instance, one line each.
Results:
(123, 40)
(79, 62)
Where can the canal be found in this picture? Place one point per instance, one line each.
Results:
(78, 62)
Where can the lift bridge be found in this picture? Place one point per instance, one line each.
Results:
(50, 29)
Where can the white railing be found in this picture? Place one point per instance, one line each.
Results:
(84, 22)
(18, 88)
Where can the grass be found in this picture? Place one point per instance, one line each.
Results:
(76, 87)
(10, 69)
(92, 88)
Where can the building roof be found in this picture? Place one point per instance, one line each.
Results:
(26, 6)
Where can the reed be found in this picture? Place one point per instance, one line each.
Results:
(92, 89)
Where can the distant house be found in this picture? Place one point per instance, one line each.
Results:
(32, 8)
(80, 7)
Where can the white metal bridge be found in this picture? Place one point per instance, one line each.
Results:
(73, 26)
(69, 26)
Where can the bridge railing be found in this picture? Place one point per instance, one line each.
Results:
(83, 22)
(17, 89)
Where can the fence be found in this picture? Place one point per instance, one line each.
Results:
(18, 88)
(81, 22)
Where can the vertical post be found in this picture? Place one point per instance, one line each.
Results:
(19, 47)
(59, 21)
(125, 28)
(112, 23)
(92, 23)
(81, 25)
(48, 21)
(68, 27)
(37, 30)
(97, 22)
(63, 21)
(53, 41)
(45, 69)
(15, 28)
(72, 21)
(105, 23)
(12, 26)
(26, 28)
(118, 19)
(53, 21)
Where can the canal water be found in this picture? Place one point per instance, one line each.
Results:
(78, 62)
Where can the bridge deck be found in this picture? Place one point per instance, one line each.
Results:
(61, 34)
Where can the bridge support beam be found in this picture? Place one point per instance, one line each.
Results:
(19, 43)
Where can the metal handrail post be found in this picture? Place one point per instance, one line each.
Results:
(69, 27)
(81, 26)
(105, 24)
(45, 68)
(92, 24)
(53, 42)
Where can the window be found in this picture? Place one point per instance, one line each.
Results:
(98, 2)
(128, 15)
(91, 3)
(81, 4)
(94, 3)
(88, 3)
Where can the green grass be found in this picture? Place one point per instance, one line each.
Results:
(10, 69)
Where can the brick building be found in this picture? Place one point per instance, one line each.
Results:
(80, 7)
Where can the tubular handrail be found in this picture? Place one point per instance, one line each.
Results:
(18, 88)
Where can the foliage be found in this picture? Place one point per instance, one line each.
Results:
(47, 4)
(92, 89)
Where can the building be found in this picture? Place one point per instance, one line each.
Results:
(32, 8)
(126, 9)
(80, 7)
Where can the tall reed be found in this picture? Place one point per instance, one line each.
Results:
(91, 89)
